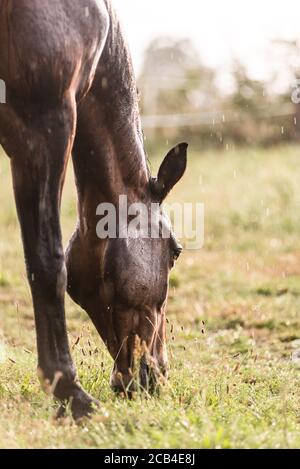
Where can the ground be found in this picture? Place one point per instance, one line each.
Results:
(233, 331)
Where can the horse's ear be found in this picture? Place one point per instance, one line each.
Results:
(170, 171)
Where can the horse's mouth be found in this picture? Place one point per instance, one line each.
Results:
(148, 378)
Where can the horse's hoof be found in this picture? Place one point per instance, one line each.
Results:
(81, 404)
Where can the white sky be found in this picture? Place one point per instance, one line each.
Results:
(220, 29)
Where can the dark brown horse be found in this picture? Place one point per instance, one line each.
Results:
(70, 90)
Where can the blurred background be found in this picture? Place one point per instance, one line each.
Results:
(220, 73)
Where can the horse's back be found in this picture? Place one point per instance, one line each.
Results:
(49, 46)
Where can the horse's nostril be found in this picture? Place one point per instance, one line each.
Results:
(152, 376)
(144, 374)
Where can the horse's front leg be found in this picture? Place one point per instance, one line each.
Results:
(39, 151)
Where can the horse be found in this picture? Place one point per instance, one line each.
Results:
(71, 92)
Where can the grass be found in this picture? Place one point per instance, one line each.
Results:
(234, 322)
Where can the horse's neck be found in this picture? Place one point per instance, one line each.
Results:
(119, 164)
(116, 89)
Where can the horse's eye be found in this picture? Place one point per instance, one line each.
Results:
(176, 248)
(177, 252)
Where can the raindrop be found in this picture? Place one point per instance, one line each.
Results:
(296, 357)
(296, 344)
(104, 83)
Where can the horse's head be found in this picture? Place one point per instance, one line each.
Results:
(135, 282)
(122, 280)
